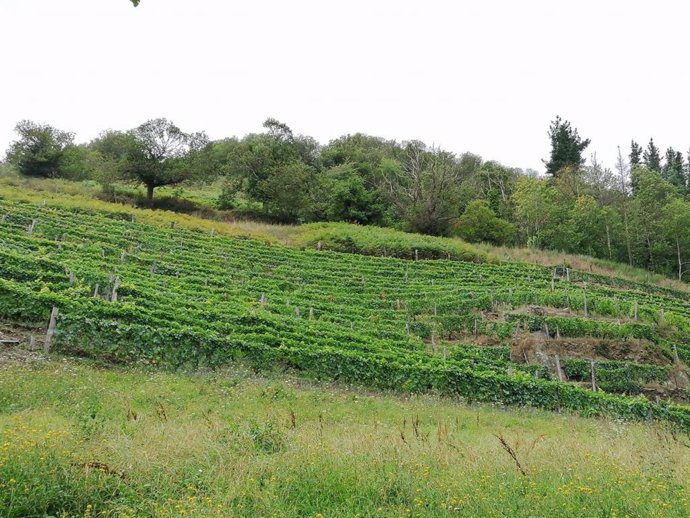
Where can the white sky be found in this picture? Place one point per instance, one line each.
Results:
(480, 76)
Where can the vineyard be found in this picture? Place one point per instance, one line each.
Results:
(130, 292)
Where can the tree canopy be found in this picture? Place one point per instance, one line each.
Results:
(40, 149)
(159, 153)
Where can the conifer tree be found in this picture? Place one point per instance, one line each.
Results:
(566, 147)
(679, 165)
(652, 157)
(674, 168)
(635, 154)
(667, 168)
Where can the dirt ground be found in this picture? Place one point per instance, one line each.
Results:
(22, 351)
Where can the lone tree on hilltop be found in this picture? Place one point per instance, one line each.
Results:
(159, 153)
(566, 147)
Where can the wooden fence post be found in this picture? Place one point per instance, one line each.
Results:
(116, 285)
(51, 330)
(559, 372)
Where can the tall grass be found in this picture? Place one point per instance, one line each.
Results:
(82, 441)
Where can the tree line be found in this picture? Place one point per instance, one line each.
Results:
(637, 213)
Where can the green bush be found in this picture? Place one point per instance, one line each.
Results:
(479, 224)
(370, 240)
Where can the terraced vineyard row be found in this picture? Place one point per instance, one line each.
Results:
(507, 333)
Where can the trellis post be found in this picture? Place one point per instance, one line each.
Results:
(559, 372)
(51, 329)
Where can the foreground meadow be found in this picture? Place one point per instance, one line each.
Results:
(77, 439)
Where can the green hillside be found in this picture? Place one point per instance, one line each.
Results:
(507, 333)
(313, 380)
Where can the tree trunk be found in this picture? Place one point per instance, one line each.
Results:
(608, 239)
(149, 193)
(680, 262)
(649, 250)
(627, 235)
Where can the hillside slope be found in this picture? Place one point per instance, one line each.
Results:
(135, 292)
(339, 236)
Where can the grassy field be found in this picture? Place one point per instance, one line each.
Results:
(83, 440)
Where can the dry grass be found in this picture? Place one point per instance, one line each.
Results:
(582, 263)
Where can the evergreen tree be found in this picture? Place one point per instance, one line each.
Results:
(635, 154)
(566, 147)
(674, 168)
(652, 157)
(667, 168)
(680, 168)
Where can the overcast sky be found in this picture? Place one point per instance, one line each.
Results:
(479, 76)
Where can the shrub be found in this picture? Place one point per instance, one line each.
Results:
(479, 224)
(370, 240)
